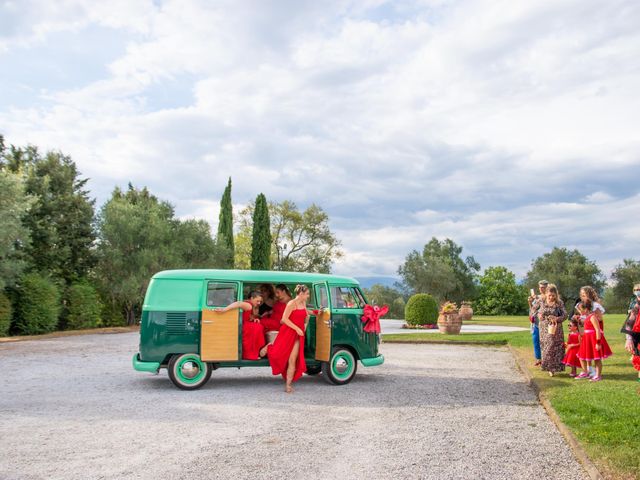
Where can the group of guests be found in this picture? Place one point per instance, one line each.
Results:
(586, 346)
(273, 326)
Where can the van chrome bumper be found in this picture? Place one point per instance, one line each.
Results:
(373, 362)
(141, 366)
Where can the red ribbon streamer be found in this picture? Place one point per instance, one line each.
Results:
(371, 317)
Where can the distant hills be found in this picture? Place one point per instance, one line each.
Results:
(367, 282)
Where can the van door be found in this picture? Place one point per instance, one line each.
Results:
(323, 323)
(219, 331)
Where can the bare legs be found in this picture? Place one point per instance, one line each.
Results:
(598, 364)
(291, 367)
(583, 364)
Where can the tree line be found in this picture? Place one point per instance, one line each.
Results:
(441, 270)
(65, 264)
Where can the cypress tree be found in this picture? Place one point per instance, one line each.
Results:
(261, 237)
(225, 226)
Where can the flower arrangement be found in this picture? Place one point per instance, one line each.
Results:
(449, 307)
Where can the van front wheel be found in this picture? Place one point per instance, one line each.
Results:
(188, 372)
(341, 368)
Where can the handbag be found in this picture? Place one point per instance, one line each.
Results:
(552, 328)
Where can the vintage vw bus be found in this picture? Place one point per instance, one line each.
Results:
(180, 331)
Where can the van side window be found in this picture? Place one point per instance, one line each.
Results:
(221, 294)
(322, 300)
(346, 297)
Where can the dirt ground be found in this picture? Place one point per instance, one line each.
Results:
(73, 408)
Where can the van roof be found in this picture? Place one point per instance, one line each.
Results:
(253, 276)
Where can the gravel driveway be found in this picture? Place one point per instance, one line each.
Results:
(73, 408)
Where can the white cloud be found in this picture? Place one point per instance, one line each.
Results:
(503, 125)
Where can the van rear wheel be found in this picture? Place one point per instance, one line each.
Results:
(341, 368)
(188, 372)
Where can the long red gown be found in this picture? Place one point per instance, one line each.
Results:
(272, 322)
(280, 351)
(252, 337)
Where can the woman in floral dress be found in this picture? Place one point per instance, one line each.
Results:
(552, 312)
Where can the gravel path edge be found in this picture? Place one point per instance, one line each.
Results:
(567, 434)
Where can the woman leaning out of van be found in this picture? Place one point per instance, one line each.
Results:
(252, 329)
(286, 354)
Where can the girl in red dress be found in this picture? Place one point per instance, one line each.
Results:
(252, 330)
(286, 354)
(593, 345)
(271, 322)
(572, 346)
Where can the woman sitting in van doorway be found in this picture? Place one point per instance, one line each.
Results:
(252, 329)
(286, 354)
(272, 321)
(268, 299)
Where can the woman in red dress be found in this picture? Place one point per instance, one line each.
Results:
(252, 330)
(271, 322)
(286, 354)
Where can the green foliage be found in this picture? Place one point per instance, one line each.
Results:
(134, 243)
(301, 241)
(261, 236)
(225, 228)
(568, 269)
(440, 271)
(38, 305)
(14, 236)
(625, 276)
(83, 306)
(139, 236)
(421, 309)
(499, 294)
(5, 315)
(194, 247)
(382, 295)
(61, 218)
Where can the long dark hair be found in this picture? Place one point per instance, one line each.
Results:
(284, 288)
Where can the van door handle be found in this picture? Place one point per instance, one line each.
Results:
(207, 321)
(327, 322)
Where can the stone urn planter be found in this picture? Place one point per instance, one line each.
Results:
(449, 321)
(465, 312)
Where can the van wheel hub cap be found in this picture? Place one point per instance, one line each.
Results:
(189, 370)
(341, 365)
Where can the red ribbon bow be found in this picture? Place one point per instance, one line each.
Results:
(371, 317)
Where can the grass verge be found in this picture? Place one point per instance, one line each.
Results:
(604, 417)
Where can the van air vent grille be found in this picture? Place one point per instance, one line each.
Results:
(176, 323)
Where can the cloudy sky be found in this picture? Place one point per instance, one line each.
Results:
(510, 127)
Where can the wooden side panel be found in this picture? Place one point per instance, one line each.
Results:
(323, 336)
(219, 336)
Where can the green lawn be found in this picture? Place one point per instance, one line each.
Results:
(604, 416)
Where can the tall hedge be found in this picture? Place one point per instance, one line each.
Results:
(37, 305)
(5, 315)
(421, 309)
(84, 306)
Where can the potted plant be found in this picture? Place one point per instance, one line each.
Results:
(466, 312)
(449, 321)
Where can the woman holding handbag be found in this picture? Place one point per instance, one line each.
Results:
(551, 314)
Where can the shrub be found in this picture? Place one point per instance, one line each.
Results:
(84, 306)
(37, 305)
(5, 315)
(421, 309)
(111, 315)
